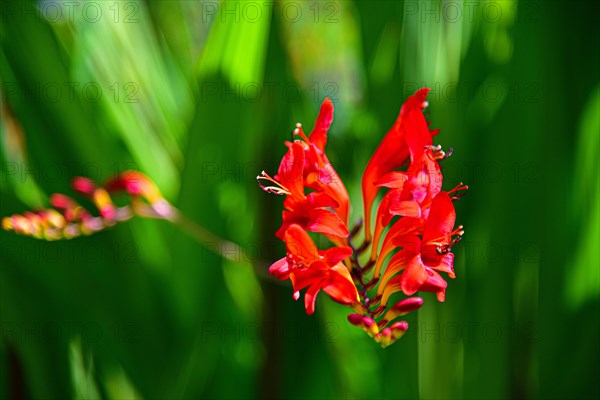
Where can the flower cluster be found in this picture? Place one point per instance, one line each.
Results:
(68, 219)
(410, 238)
(316, 201)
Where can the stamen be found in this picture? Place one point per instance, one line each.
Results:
(449, 153)
(437, 152)
(445, 248)
(298, 131)
(278, 189)
(455, 193)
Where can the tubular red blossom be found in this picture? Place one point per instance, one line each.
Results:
(402, 308)
(318, 136)
(411, 191)
(412, 235)
(313, 211)
(393, 150)
(306, 266)
(319, 174)
(420, 259)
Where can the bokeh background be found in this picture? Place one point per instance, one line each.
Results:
(200, 96)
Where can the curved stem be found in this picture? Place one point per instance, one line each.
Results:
(205, 237)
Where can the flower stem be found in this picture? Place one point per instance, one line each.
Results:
(206, 238)
(364, 285)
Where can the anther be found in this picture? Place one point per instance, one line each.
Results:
(449, 153)
(298, 131)
(278, 189)
(437, 152)
(459, 191)
(445, 248)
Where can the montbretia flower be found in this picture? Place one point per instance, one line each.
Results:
(311, 211)
(411, 237)
(306, 266)
(306, 167)
(68, 219)
(410, 129)
(421, 258)
(318, 172)
(410, 193)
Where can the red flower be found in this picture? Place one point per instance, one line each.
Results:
(310, 211)
(306, 266)
(421, 258)
(410, 192)
(414, 218)
(410, 129)
(319, 174)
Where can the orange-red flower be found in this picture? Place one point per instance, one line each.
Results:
(318, 172)
(421, 259)
(306, 266)
(411, 238)
(410, 131)
(410, 192)
(312, 211)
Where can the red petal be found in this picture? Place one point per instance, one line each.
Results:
(446, 265)
(321, 176)
(417, 132)
(414, 276)
(397, 263)
(303, 277)
(424, 178)
(394, 179)
(399, 234)
(336, 254)
(310, 297)
(340, 287)
(318, 135)
(299, 244)
(280, 269)
(435, 283)
(441, 219)
(291, 169)
(325, 221)
(393, 286)
(406, 208)
(392, 204)
(320, 199)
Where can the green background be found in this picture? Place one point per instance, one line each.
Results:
(200, 96)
